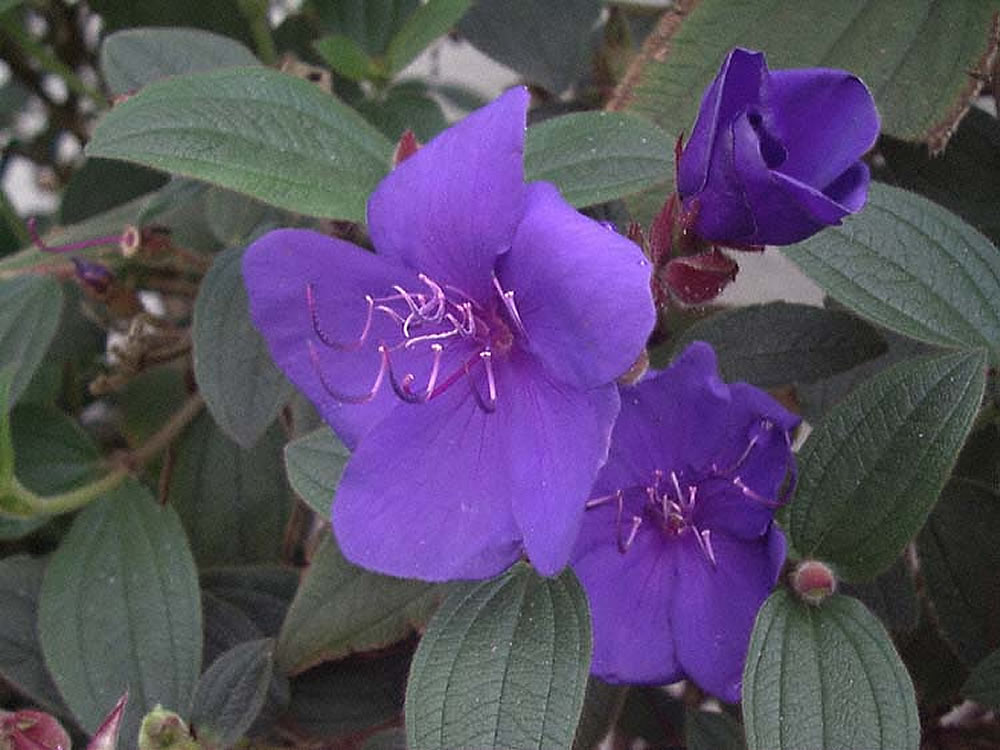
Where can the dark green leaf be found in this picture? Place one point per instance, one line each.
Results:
(959, 559)
(341, 609)
(120, 609)
(915, 56)
(964, 179)
(234, 218)
(548, 43)
(350, 695)
(873, 468)
(712, 731)
(256, 131)
(53, 454)
(261, 592)
(242, 387)
(935, 669)
(30, 307)
(780, 343)
(232, 692)
(234, 503)
(315, 463)
(221, 16)
(370, 23)
(891, 596)
(983, 685)
(913, 267)
(100, 185)
(6, 441)
(429, 21)
(346, 57)
(406, 106)
(595, 157)
(21, 662)
(132, 58)
(225, 626)
(825, 677)
(602, 704)
(503, 664)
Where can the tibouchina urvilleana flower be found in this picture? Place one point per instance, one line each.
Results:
(678, 548)
(469, 362)
(774, 156)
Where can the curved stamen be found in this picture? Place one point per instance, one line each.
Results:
(489, 404)
(754, 495)
(32, 226)
(346, 398)
(402, 387)
(704, 540)
(321, 334)
(507, 297)
(624, 545)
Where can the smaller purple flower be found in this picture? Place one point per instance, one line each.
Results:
(774, 156)
(678, 548)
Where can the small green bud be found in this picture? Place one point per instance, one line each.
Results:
(814, 582)
(165, 730)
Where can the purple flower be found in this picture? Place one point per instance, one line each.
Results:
(469, 363)
(678, 548)
(774, 157)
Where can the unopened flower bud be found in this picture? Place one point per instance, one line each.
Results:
(31, 730)
(698, 279)
(165, 730)
(106, 736)
(94, 277)
(408, 145)
(814, 582)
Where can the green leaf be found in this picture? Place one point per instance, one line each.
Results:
(595, 157)
(503, 663)
(959, 557)
(21, 662)
(261, 592)
(6, 441)
(120, 609)
(891, 596)
(370, 23)
(256, 131)
(915, 56)
(825, 677)
(132, 58)
(101, 184)
(349, 696)
(983, 685)
(964, 179)
(602, 704)
(234, 219)
(405, 106)
(53, 453)
(234, 503)
(346, 57)
(913, 267)
(546, 42)
(429, 21)
(232, 692)
(315, 463)
(30, 307)
(342, 609)
(243, 388)
(712, 731)
(871, 471)
(780, 342)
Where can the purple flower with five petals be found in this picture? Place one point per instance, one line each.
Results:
(678, 548)
(469, 363)
(774, 156)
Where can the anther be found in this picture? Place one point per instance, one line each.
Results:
(754, 495)
(321, 334)
(349, 399)
(626, 544)
(704, 539)
(596, 502)
(402, 388)
(489, 404)
(508, 301)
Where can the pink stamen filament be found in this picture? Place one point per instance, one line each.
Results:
(36, 239)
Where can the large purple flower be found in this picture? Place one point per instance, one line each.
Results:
(678, 549)
(469, 363)
(774, 157)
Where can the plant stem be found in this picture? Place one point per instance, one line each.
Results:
(255, 12)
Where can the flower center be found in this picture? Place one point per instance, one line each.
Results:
(427, 321)
(672, 502)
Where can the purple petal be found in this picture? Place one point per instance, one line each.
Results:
(722, 213)
(714, 607)
(850, 190)
(556, 441)
(581, 290)
(630, 597)
(736, 87)
(277, 269)
(826, 120)
(446, 490)
(785, 210)
(426, 496)
(669, 421)
(452, 208)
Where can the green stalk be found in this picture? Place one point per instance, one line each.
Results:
(23, 503)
